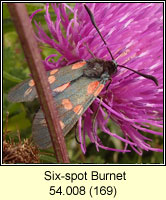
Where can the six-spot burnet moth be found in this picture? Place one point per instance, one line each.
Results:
(74, 88)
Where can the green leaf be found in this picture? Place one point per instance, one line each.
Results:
(9, 77)
(48, 159)
(31, 7)
(18, 122)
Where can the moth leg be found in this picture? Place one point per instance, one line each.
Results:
(95, 115)
(109, 84)
(76, 138)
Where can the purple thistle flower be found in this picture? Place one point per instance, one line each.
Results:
(134, 34)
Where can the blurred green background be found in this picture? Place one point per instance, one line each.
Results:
(21, 115)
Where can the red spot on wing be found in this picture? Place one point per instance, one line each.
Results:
(51, 79)
(92, 87)
(67, 104)
(52, 72)
(62, 87)
(43, 122)
(28, 91)
(62, 124)
(78, 109)
(31, 83)
(99, 89)
(78, 65)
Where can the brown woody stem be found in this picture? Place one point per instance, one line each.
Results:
(26, 34)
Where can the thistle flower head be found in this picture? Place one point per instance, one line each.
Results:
(134, 34)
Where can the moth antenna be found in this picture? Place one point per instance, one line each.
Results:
(97, 29)
(141, 74)
(96, 113)
(92, 54)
